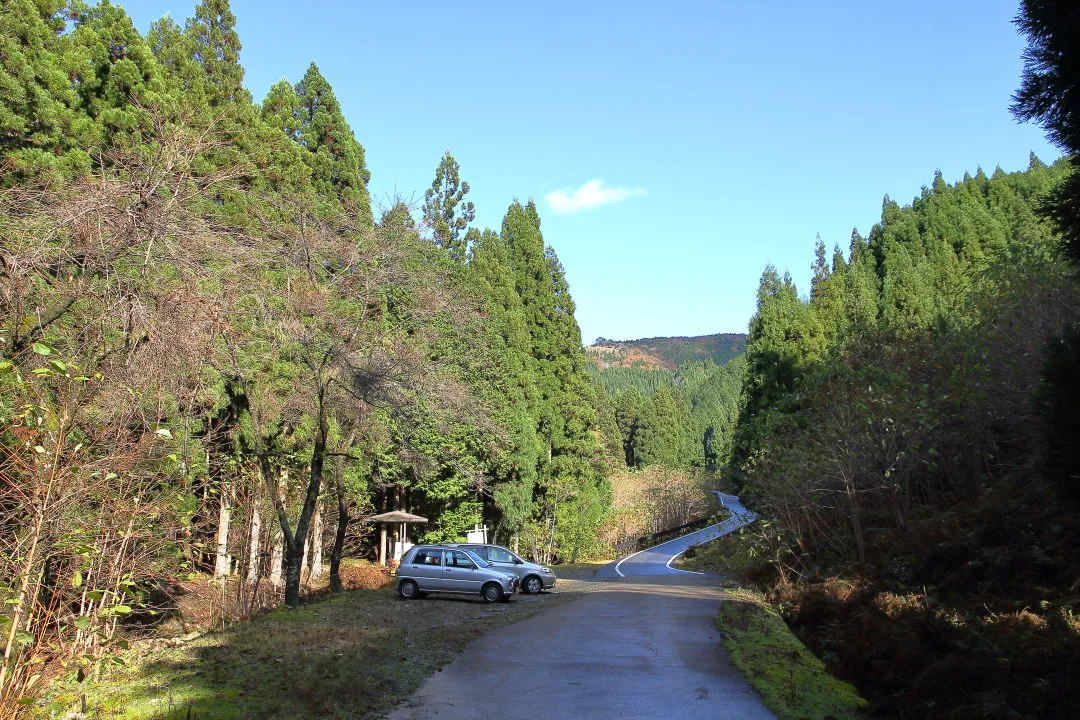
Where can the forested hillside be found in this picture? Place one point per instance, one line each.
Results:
(684, 418)
(665, 352)
(217, 356)
(675, 400)
(894, 434)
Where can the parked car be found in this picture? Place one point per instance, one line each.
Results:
(438, 568)
(533, 577)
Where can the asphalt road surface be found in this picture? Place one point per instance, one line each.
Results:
(644, 646)
(658, 560)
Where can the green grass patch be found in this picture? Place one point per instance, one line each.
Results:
(792, 682)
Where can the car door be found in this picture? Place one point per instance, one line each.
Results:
(426, 568)
(460, 573)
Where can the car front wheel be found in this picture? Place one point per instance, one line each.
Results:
(408, 590)
(532, 585)
(491, 593)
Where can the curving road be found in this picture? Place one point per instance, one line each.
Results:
(657, 560)
(642, 647)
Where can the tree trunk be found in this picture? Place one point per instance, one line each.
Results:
(294, 546)
(254, 545)
(316, 570)
(276, 483)
(223, 561)
(305, 570)
(277, 560)
(856, 524)
(343, 517)
(339, 540)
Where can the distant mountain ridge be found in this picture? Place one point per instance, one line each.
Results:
(665, 352)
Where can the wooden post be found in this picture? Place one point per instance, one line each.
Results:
(382, 543)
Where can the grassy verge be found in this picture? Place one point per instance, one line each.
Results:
(791, 681)
(347, 656)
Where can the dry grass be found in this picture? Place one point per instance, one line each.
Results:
(652, 500)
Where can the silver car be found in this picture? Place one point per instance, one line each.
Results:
(437, 568)
(534, 578)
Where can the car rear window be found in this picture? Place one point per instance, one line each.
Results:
(427, 557)
(498, 554)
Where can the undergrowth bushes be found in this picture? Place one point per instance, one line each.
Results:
(973, 615)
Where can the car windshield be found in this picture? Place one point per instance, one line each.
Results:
(477, 559)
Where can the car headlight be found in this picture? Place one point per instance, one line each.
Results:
(545, 569)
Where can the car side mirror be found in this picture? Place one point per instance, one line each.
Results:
(517, 561)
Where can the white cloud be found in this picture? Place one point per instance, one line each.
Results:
(591, 194)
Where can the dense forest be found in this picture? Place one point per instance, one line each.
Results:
(677, 419)
(907, 431)
(217, 357)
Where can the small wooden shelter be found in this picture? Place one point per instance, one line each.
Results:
(400, 543)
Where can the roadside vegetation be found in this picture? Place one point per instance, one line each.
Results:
(649, 501)
(792, 682)
(909, 433)
(354, 654)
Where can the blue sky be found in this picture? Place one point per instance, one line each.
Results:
(673, 148)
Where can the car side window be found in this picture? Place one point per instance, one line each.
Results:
(459, 559)
(427, 557)
(497, 554)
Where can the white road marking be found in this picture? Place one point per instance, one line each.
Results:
(740, 517)
(692, 572)
(617, 570)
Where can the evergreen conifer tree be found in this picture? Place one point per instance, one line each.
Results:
(658, 440)
(175, 51)
(1050, 95)
(444, 210)
(41, 130)
(216, 46)
(785, 338)
(338, 168)
(119, 80)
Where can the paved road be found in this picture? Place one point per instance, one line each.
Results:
(642, 647)
(658, 560)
